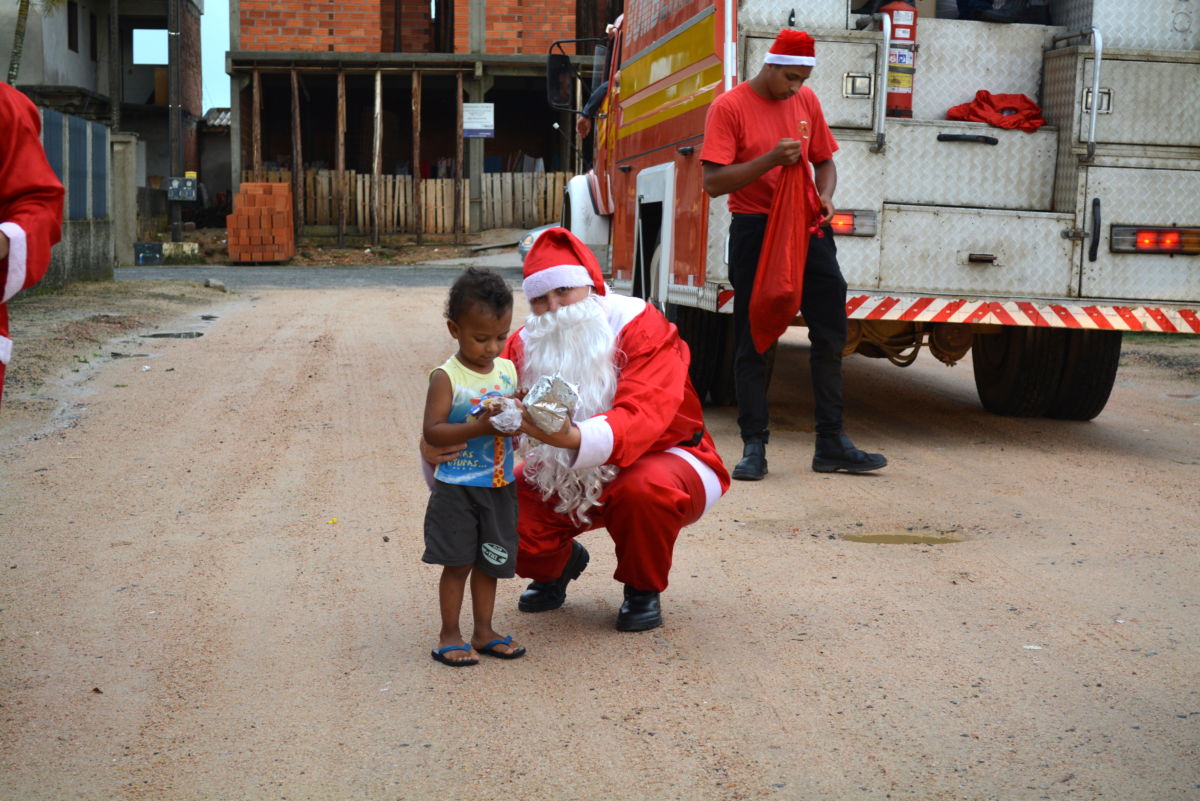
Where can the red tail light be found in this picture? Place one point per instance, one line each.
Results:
(1144, 239)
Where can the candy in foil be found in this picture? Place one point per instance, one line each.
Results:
(550, 401)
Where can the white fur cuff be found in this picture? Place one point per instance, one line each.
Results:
(595, 443)
(16, 259)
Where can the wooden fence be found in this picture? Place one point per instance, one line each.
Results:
(510, 200)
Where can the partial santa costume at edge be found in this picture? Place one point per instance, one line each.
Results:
(31, 204)
(644, 451)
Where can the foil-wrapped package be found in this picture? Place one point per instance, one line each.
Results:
(550, 401)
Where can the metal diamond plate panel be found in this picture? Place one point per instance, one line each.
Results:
(858, 257)
(1015, 173)
(1059, 107)
(770, 16)
(834, 60)
(1143, 197)
(930, 250)
(862, 177)
(718, 229)
(958, 58)
(1158, 25)
(1153, 102)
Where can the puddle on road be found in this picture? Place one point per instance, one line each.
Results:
(176, 334)
(903, 538)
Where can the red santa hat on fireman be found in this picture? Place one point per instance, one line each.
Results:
(559, 259)
(792, 48)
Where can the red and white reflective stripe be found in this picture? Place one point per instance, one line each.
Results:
(725, 300)
(1049, 315)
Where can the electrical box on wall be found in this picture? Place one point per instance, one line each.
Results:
(181, 189)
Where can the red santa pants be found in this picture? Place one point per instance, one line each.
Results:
(643, 508)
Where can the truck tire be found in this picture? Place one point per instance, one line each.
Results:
(709, 337)
(1018, 371)
(1089, 370)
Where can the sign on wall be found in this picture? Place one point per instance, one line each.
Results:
(479, 120)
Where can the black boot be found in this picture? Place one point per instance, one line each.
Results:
(753, 465)
(542, 596)
(836, 452)
(640, 612)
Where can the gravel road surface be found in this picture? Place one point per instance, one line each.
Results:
(213, 590)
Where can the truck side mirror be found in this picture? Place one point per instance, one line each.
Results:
(560, 78)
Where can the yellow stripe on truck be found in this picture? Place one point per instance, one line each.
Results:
(677, 75)
(676, 99)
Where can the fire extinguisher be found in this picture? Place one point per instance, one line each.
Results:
(902, 58)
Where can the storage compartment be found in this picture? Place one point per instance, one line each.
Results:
(1141, 197)
(975, 252)
(1143, 101)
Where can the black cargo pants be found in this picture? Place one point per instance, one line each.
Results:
(823, 305)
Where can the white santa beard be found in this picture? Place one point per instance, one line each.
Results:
(577, 343)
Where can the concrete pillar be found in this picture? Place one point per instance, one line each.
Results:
(476, 88)
(124, 209)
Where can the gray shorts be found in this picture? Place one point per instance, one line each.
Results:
(472, 525)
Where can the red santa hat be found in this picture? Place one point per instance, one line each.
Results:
(559, 259)
(792, 48)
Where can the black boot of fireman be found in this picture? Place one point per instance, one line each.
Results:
(753, 465)
(836, 452)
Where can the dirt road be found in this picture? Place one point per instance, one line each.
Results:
(212, 590)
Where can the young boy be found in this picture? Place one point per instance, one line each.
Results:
(471, 520)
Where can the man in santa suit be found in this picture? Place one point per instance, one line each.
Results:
(31, 203)
(634, 457)
(752, 131)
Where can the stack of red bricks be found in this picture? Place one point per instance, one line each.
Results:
(260, 228)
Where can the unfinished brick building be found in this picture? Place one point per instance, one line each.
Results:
(371, 89)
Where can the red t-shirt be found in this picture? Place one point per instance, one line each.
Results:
(742, 125)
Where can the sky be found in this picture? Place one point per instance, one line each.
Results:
(150, 47)
(214, 41)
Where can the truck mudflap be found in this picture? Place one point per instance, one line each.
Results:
(1032, 313)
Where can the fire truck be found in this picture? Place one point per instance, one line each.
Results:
(1036, 251)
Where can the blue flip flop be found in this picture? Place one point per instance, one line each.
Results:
(490, 649)
(439, 654)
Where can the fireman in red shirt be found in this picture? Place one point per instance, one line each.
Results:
(31, 205)
(765, 123)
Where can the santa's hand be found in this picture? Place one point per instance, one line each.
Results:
(567, 437)
(440, 454)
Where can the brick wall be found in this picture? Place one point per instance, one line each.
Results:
(368, 26)
(516, 26)
(416, 27)
(357, 26)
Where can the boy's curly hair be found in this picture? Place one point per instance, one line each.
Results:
(484, 287)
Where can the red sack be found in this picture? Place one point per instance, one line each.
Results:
(1002, 111)
(775, 299)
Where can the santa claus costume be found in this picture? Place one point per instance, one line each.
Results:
(31, 204)
(645, 466)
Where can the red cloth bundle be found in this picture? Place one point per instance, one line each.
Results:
(779, 282)
(1002, 111)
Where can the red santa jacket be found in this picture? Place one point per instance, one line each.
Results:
(655, 407)
(31, 205)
